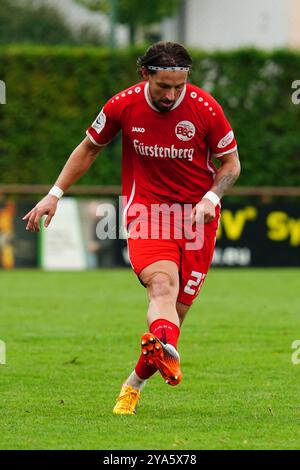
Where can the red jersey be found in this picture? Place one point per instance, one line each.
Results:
(166, 156)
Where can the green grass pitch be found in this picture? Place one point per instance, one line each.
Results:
(72, 338)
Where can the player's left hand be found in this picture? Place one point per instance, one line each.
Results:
(203, 212)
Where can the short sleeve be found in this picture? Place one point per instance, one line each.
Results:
(220, 136)
(106, 125)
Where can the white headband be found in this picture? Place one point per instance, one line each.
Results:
(174, 69)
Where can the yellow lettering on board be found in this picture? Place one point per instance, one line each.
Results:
(233, 224)
(277, 224)
(282, 227)
(294, 229)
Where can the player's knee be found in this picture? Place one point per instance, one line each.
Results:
(161, 284)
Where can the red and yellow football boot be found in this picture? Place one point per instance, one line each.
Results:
(162, 356)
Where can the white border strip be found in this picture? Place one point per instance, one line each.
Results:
(128, 204)
(93, 140)
(208, 163)
(217, 155)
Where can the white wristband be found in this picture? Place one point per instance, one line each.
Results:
(56, 191)
(213, 197)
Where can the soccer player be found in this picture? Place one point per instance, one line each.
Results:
(171, 130)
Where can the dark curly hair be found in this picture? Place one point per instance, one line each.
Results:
(165, 54)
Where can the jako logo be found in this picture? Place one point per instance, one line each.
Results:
(138, 129)
(185, 130)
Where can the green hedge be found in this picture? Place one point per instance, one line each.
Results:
(54, 93)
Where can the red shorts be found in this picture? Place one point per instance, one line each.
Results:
(193, 264)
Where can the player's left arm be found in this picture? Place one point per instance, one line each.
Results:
(223, 146)
(226, 176)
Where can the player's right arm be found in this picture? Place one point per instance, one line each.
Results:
(78, 163)
(106, 125)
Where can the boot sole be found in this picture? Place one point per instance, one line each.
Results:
(154, 353)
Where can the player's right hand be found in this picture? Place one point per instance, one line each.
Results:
(204, 212)
(47, 206)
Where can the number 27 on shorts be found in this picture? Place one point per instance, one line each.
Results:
(194, 285)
